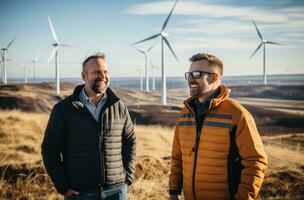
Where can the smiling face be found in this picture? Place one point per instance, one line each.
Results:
(203, 86)
(96, 76)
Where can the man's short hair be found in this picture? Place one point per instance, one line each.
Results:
(212, 60)
(94, 56)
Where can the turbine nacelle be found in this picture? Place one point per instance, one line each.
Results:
(164, 34)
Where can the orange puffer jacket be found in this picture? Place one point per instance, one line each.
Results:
(205, 171)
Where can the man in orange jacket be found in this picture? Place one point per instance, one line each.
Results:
(217, 151)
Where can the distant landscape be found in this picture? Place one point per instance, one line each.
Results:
(278, 110)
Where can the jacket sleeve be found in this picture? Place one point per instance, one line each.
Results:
(253, 156)
(52, 147)
(176, 171)
(129, 148)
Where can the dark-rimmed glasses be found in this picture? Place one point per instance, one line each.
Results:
(196, 74)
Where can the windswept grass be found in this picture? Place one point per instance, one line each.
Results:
(22, 175)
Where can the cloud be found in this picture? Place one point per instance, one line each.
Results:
(192, 8)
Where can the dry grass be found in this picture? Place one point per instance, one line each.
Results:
(285, 176)
(22, 175)
(152, 168)
(21, 172)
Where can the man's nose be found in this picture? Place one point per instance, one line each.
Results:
(101, 75)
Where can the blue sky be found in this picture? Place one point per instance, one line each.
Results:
(222, 28)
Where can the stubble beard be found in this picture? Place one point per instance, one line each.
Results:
(100, 89)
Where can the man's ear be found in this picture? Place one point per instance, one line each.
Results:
(212, 78)
(83, 75)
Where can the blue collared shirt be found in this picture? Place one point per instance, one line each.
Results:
(94, 110)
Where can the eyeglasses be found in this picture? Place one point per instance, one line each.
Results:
(196, 74)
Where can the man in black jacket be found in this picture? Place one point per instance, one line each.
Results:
(89, 144)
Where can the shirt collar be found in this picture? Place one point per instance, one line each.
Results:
(85, 98)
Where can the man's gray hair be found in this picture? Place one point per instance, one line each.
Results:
(94, 56)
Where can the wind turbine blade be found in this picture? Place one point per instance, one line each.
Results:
(149, 38)
(52, 54)
(168, 44)
(53, 30)
(256, 50)
(260, 35)
(151, 47)
(269, 42)
(8, 55)
(138, 49)
(9, 44)
(166, 21)
(65, 45)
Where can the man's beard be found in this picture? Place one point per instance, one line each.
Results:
(195, 92)
(100, 89)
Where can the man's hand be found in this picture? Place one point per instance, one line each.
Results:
(71, 192)
(174, 197)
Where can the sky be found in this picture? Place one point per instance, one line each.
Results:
(220, 27)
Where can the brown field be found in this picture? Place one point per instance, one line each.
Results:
(22, 175)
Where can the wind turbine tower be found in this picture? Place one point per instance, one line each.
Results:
(25, 72)
(263, 43)
(153, 74)
(141, 78)
(56, 46)
(163, 36)
(4, 52)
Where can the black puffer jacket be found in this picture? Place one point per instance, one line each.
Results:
(83, 154)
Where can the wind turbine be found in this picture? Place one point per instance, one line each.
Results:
(56, 46)
(34, 62)
(263, 43)
(163, 36)
(4, 51)
(146, 63)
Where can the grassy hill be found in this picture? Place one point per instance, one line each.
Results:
(24, 111)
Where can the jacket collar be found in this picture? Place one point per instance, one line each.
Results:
(214, 102)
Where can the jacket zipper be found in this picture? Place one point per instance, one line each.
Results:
(101, 150)
(198, 135)
(100, 132)
(195, 148)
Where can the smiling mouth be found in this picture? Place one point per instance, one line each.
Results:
(101, 82)
(193, 86)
